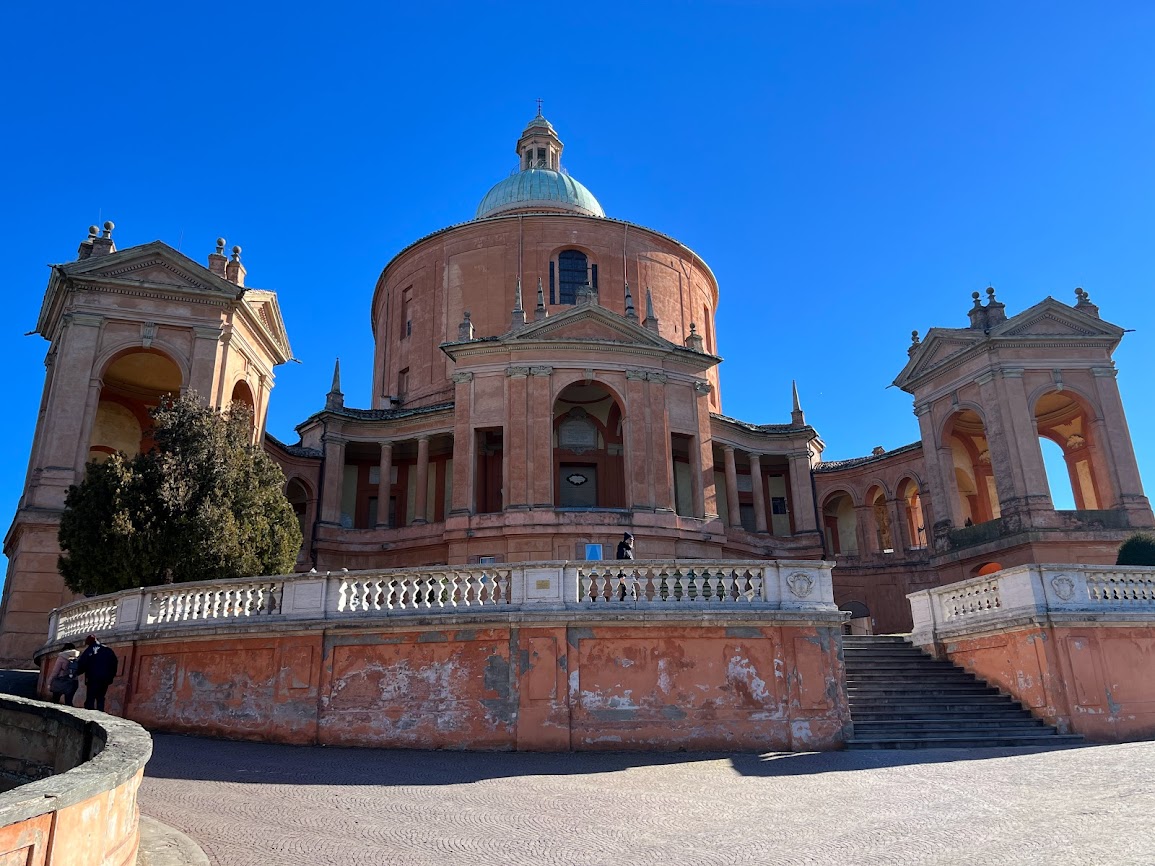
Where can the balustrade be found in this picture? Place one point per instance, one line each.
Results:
(684, 584)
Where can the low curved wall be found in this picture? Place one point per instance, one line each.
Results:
(81, 807)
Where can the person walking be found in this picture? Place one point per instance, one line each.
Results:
(626, 546)
(65, 680)
(98, 663)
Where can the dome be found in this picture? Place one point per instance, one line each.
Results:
(539, 187)
(541, 122)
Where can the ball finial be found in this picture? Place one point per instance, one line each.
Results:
(109, 225)
(914, 336)
(93, 231)
(236, 254)
(220, 245)
(990, 293)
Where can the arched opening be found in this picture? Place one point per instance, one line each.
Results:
(977, 495)
(883, 531)
(243, 396)
(859, 621)
(910, 498)
(298, 495)
(986, 568)
(574, 271)
(133, 385)
(588, 465)
(841, 524)
(1067, 439)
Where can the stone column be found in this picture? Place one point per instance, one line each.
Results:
(705, 501)
(1003, 450)
(899, 531)
(516, 451)
(541, 437)
(759, 496)
(203, 365)
(697, 497)
(864, 529)
(464, 444)
(735, 516)
(1116, 432)
(1030, 473)
(334, 479)
(660, 462)
(421, 497)
(91, 405)
(383, 484)
(638, 453)
(801, 493)
(941, 491)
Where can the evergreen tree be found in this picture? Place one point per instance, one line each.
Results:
(204, 504)
(1139, 549)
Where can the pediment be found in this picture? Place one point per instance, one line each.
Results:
(589, 323)
(155, 264)
(937, 349)
(1051, 318)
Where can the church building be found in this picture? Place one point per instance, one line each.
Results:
(545, 378)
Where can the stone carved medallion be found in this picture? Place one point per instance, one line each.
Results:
(1064, 587)
(800, 583)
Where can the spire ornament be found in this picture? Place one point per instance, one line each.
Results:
(797, 418)
(517, 317)
(651, 321)
(631, 313)
(540, 312)
(335, 399)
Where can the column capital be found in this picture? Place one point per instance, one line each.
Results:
(1104, 372)
(921, 409)
(462, 378)
(728, 449)
(85, 320)
(701, 386)
(1012, 372)
(984, 378)
(541, 371)
(207, 333)
(637, 375)
(517, 372)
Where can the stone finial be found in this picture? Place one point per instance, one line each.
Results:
(631, 313)
(234, 270)
(218, 260)
(517, 317)
(977, 314)
(878, 451)
(914, 343)
(996, 311)
(103, 245)
(465, 329)
(586, 294)
(694, 341)
(540, 312)
(85, 249)
(651, 321)
(797, 418)
(1084, 304)
(335, 399)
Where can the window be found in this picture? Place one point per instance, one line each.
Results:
(403, 382)
(407, 312)
(593, 552)
(573, 273)
(551, 294)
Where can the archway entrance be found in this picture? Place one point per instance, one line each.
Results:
(588, 465)
(974, 477)
(911, 499)
(133, 385)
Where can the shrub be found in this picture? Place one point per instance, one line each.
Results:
(1139, 549)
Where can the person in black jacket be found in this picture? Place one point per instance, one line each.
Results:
(98, 663)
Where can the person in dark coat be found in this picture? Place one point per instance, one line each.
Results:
(98, 664)
(626, 546)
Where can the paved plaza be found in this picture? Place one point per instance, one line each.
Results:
(265, 805)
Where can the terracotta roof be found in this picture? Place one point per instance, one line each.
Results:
(295, 450)
(832, 465)
(757, 428)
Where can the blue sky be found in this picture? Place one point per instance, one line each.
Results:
(850, 170)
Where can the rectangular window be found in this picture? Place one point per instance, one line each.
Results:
(407, 312)
(403, 383)
(594, 277)
(551, 295)
(593, 552)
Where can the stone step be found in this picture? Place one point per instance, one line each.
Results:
(1010, 712)
(912, 674)
(965, 742)
(920, 690)
(939, 705)
(899, 727)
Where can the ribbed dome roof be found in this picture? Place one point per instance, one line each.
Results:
(539, 187)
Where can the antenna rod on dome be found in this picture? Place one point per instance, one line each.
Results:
(539, 106)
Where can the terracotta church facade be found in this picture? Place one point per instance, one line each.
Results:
(546, 378)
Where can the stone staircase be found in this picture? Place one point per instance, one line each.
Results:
(901, 698)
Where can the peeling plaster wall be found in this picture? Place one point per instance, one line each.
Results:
(556, 686)
(1094, 680)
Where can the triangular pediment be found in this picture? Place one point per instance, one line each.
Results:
(940, 347)
(589, 323)
(155, 265)
(1051, 318)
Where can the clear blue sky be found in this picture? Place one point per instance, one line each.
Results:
(850, 170)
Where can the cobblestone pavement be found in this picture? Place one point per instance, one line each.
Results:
(249, 803)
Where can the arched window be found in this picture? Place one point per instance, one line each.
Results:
(573, 273)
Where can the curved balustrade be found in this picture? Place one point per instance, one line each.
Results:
(671, 584)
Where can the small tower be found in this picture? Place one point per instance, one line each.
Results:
(539, 146)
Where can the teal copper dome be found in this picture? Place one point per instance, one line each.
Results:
(539, 188)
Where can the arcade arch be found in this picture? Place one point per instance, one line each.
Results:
(589, 470)
(883, 531)
(1065, 419)
(973, 475)
(841, 523)
(132, 385)
(914, 519)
